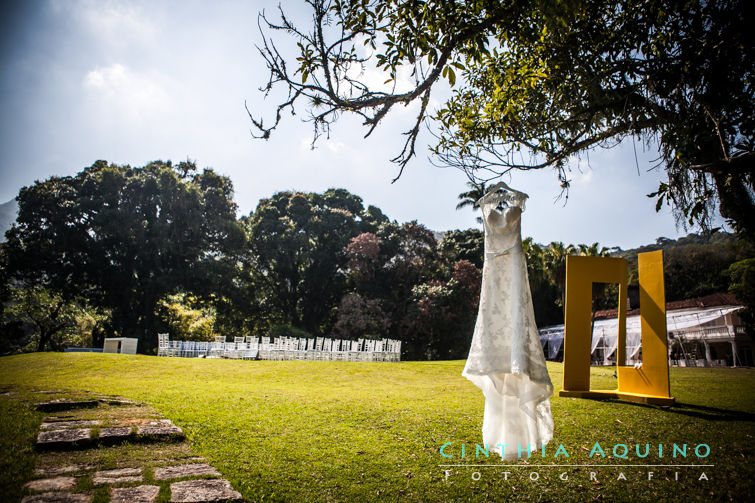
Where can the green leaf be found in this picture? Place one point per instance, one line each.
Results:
(451, 76)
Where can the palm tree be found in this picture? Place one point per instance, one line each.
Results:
(594, 250)
(555, 261)
(470, 198)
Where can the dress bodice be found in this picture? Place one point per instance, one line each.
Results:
(502, 229)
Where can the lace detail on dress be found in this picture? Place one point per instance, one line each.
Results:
(506, 359)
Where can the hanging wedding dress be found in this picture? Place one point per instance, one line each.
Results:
(506, 359)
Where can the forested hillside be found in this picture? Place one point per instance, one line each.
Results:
(695, 265)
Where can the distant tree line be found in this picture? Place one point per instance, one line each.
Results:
(122, 251)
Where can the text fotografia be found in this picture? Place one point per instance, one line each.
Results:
(535, 476)
(678, 454)
(621, 451)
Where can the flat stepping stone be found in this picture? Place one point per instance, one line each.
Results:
(58, 498)
(167, 429)
(144, 422)
(54, 484)
(187, 470)
(199, 491)
(59, 470)
(59, 405)
(58, 425)
(138, 494)
(118, 476)
(52, 439)
(115, 433)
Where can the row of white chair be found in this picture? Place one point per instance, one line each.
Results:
(284, 348)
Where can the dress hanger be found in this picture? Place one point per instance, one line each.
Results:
(502, 193)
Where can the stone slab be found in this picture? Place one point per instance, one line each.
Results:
(187, 470)
(196, 491)
(116, 480)
(63, 438)
(58, 425)
(54, 484)
(58, 498)
(118, 476)
(114, 433)
(59, 470)
(58, 405)
(118, 472)
(138, 494)
(165, 430)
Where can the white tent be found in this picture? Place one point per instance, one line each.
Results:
(606, 331)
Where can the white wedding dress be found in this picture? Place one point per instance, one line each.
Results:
(506, 359)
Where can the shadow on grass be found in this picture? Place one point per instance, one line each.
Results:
(688, 409)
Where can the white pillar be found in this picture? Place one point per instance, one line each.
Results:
(708, 361)
(734, 352)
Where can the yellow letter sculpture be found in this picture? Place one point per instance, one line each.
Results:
(650, 382)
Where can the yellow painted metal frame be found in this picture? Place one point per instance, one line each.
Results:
(650, 382)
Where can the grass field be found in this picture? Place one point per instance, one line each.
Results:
(342, 431)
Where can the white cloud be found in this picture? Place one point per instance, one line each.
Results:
(114, 22)
(335, 146)
(119, 85)
(585, 177)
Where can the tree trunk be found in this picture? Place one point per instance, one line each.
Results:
(44, 337)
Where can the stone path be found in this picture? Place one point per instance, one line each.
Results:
(119, 451)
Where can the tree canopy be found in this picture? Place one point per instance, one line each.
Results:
(296, 240)
(138, 251)
(536, 83)
(126, 237)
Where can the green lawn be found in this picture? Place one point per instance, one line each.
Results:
(342, 431)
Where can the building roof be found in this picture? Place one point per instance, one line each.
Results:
(712, 300)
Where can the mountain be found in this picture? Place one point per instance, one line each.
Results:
(8, 212)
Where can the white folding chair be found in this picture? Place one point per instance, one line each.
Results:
(174, 348)
(276, 351)
(264, 352)
(217, 348)
(238, 349)
(318, 348)
(370, 350)
(163, 343)
(187, 349)
(354, 351)
(252, 348)
(327, 345)
(202, 349)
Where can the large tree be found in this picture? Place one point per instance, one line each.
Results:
(538, 82)
(297, 241)
(50, 317)
(124, 238)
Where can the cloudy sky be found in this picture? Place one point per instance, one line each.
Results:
(131, 82)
